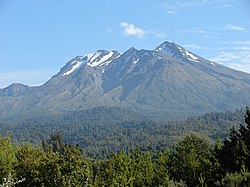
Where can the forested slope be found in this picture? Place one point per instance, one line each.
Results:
(101, 130)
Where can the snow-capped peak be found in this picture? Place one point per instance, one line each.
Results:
(99, 58)
(166, 48)
(75, 65)
(176, 51)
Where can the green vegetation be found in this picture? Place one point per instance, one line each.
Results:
(100, 131)
(193, 161)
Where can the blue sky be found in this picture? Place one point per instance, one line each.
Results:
(38, 37)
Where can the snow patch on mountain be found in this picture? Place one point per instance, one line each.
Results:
(191, 56)
(212, 64)
(89, 56)
(93, 60)
(100, 58)
(181, 50)
(164, 49)
(76, 65)
(135, 61)
(158, 49)
(187, 54)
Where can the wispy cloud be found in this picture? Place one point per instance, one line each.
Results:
(173, 7)
(233, 56)
(180, 6)
(158, 34)
(132, 30)
(29, 77)
(233, 27)
(194, 46)
(236, 56)
(245, 67)
(244, 43)
(110, 30)
(226, 5)
(196, 31)
(209, 33)
(212, 32)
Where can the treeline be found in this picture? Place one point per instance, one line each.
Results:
(192, 162)
(102, 130)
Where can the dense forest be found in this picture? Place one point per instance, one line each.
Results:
(193, 161)
(100, 131)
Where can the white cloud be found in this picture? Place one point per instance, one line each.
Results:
(233, 27)
(132, 30)
(29, 77)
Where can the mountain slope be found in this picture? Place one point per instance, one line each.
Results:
(14, 90)
(168, 80)
(173, 79)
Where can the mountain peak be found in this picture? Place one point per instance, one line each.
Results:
(99, 58)
(167, 45)
(132, 49)
(15, 89)
(176, 51)
(170, 49)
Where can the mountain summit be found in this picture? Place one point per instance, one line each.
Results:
(168, 80)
